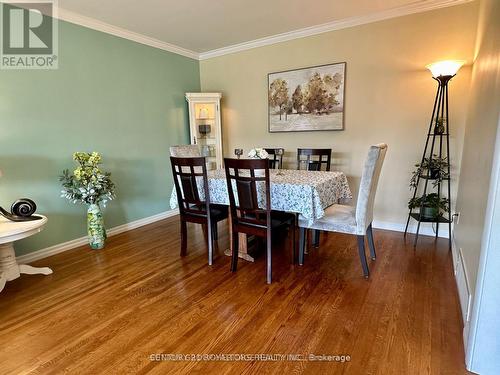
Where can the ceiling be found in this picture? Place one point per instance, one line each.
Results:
(203, 25)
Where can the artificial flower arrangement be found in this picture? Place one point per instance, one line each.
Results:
(89, 185)
(258, 153)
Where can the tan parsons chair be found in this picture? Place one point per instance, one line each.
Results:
(185, 151)
(349, 219)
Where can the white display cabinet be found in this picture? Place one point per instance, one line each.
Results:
(205, 125)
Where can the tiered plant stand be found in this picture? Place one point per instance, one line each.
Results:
(437, 143)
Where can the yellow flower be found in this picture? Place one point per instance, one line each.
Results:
(77, 173)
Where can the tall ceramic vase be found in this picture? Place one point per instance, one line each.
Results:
(95, 227)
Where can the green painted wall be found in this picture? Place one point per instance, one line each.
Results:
(111, 95)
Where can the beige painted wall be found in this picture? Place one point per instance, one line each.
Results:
(389, 94)
(482, 123)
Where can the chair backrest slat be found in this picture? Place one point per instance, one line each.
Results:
(241, 176)
(188, 174)
(276, 157)
(314, 158)
(368, 186)
(189, 188)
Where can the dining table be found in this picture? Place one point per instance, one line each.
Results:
(306, 193)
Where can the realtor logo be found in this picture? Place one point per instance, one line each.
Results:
(28, 37)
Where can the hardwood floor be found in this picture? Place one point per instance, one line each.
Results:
(108, 311)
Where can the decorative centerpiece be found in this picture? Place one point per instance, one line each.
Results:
(258, 153)
(21, 210)
(89, 185)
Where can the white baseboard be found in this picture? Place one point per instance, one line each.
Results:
(59, 248)
(141, 222)
(425, 228)
(463, 286)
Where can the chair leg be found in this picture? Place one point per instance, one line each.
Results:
(316, 238)
(215, 232)
(205, 232)
(362, 255)
(183, 238)
(236, 245)
(294, 241)
(269, 265)
(210, 246)
(302, 244)
(259, 242)
(371, 244)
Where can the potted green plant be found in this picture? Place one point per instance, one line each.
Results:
(87, 184)
(430, 205)
(439, 128)
(434, 167)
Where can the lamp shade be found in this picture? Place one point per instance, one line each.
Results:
(445, 68)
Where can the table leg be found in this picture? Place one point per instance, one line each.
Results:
(10, 270)
(8, 263)
(29, 270)
(243, 247)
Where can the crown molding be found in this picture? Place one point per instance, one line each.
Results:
(104, 27)
(91, 23)
(335, 25)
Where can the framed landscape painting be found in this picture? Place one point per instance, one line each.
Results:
(307, 99)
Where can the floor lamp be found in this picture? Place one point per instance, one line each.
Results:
(437, 144)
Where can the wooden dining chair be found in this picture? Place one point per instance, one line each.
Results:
(349, 219)
(276, 157)
(245, 187)
(314, 158)
(185, 151)
(189, 173)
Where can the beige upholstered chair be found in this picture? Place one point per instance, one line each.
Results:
(185, 151)
(349, 219)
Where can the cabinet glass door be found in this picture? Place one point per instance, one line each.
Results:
(205, 130)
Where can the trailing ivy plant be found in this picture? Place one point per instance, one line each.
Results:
(87, 184)
(437, 167)
(430, 200)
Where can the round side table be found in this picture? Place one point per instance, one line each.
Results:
(9, 233)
